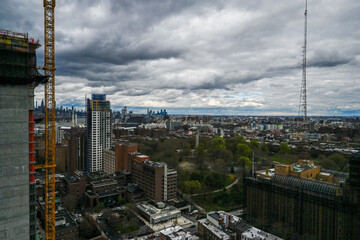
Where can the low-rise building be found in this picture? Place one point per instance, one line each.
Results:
(72, 189)
(106, 191)
(155, 215)
(176, 233)
(65, 226)
(218, 225)
(254, 233)
(134, 194)
(207, 230)
(123, 177)
(223, 220)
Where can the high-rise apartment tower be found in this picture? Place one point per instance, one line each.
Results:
(98, 130)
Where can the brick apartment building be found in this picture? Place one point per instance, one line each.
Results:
(77, 149)
(61, 157)
(157, 181)
(109, 161)
(117, 159)
(73, 188)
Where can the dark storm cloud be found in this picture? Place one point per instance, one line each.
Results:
(113, 55)
(136, 92)
(323, 58)
(233, 55)
(223, 82)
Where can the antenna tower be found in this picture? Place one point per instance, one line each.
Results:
(303, 100)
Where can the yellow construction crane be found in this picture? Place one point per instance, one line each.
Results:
(49, 67)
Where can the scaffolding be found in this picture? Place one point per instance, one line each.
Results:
(18, 59)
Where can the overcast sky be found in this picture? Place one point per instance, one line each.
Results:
(204, 57)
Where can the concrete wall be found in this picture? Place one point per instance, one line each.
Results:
(15, 103)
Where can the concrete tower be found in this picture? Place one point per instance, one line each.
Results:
(18, 78)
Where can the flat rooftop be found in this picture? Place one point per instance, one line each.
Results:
(257, 234)
(103, 183)
(177, 233)
(154, 164)
(71, 179)
(216, 231)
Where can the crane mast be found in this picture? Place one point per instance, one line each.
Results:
(49, 67)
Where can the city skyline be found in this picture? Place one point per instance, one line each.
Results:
(208, 57)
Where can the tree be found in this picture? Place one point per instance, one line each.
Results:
(340, 160)
(88, 227)
(244, 162)
(145, 149)
(121, 200)
(236, 193)
(329, 164)
(201, 149)
(195, 175)
(200, 163)
(85, 229)
(217, 143)
(254, 144)
(232, 177)
(114, 220)
(223, 154)
(284, 148)
(99, 207)
(243, 150)
(233, 142)
(192, 186)
(220, 166)
(264, 148)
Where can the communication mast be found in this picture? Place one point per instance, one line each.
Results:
(303, 100)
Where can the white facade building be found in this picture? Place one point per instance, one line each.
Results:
(99, 131)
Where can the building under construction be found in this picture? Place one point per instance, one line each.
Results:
(306, 201)
(18, 78)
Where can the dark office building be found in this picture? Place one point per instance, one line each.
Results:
(77, 149)
(306, 206)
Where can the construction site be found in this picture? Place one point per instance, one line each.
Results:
(19, 77)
